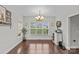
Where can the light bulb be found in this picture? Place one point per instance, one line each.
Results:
(42, 17)
(36, 17)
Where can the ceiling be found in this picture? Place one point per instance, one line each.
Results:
(45, 10)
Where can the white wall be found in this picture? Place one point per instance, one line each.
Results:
(8, 37)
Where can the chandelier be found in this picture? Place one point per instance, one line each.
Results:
(39, 17)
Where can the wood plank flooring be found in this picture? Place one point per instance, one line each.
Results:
(73, 51)
(37, 47)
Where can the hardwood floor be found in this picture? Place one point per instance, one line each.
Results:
(37, 47)
(73, 51)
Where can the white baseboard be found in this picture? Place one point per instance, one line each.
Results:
(38, 39)
(12, 47)
(74, 47)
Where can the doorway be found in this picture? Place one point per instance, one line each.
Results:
(74, 31)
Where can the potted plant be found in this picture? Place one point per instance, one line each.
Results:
(24, 33)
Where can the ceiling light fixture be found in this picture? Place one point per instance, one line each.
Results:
(39, 17)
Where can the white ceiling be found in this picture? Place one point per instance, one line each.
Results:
(46, 10)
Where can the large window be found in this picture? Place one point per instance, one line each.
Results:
(39, 28)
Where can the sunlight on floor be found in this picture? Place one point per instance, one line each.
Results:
(19, 50)
(38, 48)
